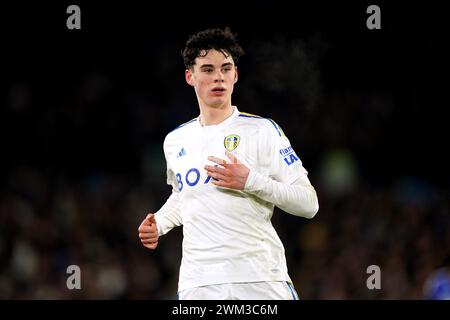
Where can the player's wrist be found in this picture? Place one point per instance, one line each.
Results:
(158, 226)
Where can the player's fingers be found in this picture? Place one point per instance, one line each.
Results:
(216, 175)
(147, 235)
(145, 228)
(219, 170)
(221, 183)
(222, 162)
(149, 241)
(152, 231)
(150, 218)
(145, 223)
(149, 230)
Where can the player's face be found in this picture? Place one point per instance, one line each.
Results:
(213, 77)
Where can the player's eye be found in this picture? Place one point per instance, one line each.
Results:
(208, 70)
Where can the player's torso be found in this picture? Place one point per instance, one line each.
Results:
(233, 212)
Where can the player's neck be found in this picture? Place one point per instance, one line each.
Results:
(214, 115)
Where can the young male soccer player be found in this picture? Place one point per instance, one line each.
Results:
(228, 169)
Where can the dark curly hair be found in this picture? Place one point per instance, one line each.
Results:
(200, 43)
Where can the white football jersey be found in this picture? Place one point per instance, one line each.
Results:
(228, 234)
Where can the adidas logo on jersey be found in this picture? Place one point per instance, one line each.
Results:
(181, 153)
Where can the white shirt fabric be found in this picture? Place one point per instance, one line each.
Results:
(228, 236)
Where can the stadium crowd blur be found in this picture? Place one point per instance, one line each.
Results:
(83, 160)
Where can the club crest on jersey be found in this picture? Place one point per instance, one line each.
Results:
(231, 142)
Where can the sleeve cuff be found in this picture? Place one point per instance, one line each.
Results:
(254, 182)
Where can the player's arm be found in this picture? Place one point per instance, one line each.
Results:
(168, 217)
(158, 224)
(286, 185)
(165, 219)
(298, 198)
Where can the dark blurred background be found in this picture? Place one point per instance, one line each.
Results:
(83, 115)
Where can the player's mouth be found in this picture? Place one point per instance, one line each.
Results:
(218, 91)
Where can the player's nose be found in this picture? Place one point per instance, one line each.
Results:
(219, 76)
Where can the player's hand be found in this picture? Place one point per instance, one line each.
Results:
(229, 174)
(148, 233)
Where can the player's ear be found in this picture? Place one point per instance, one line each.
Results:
(235, 74)
(188, 76)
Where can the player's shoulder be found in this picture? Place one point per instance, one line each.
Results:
(182, 128)
(178, 134)
(263, 123)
